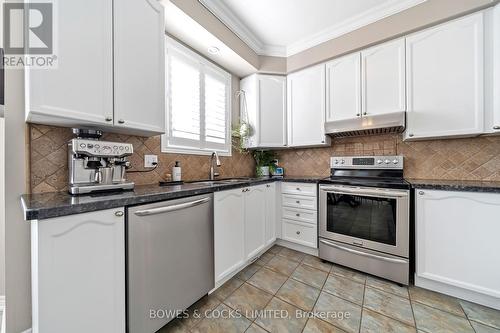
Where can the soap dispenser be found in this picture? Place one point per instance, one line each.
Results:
(176, 172)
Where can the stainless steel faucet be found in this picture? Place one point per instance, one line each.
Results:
(214, 174)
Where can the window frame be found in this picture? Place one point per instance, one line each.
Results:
(205, 67)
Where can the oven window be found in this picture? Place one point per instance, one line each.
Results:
(369, 218)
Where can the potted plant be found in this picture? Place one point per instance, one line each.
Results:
(240, 134)
(264, 160)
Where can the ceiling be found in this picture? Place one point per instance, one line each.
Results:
(286, 27)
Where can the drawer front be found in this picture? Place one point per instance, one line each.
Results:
(300, 233)
(301, 215)
(299, 201)
(299, 189)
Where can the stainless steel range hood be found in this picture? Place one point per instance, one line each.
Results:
(377, 124)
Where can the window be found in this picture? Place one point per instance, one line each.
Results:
(198, 104)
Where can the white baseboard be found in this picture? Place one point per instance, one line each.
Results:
(29, 330)
(468, 295)
(297, 247)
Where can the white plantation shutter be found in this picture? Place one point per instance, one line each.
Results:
(198, 104)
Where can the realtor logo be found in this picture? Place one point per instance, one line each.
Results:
(28, 34)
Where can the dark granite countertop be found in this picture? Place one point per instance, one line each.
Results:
(456, 185)
(47, 205)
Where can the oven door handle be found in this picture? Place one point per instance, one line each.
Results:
(359, 191)
(374, 256)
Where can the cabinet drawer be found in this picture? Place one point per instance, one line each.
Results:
(299, 201)
(299, 188)
(301, 215)
(305, 234)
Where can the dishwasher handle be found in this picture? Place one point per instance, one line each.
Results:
(167, 209)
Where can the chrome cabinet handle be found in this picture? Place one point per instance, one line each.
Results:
(328, 243)
(297, 201)
(411, 135)
(421, 192)
(298, 189)
(108, 118)
(298, 232)
(365, 191)
(119, 213)
(496, 127)
(298, 215)
(365, 113)
(358, 114)
(172, 208)
(121, 121)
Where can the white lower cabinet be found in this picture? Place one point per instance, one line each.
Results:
(299, 213)
(270, 203)
(457, 244)
(255, 220)
(229, 232)
(244, 224)
(78, 273)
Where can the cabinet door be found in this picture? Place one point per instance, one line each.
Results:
(270, 202)
(229, 232)
(306, 107)
(78, 267)
(255, 220)
(457, 244)
(492, 70)
(343, 90)
(383, 78)
(445, 79)
(272, 111)
(80, 90)
(139, 67)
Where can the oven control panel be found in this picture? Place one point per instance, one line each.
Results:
(367, 162)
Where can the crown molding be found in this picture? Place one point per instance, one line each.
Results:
(365, 18)
(226, 16)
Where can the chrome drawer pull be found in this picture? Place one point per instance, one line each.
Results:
(298, 232)
(297, 201)
(298, 215)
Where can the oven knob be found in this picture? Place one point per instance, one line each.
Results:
(387, 161)
(395, 161)
(82, 145)
(342, 162)
(336, 161)
(121, 147)
(96, 146)
(379, 161)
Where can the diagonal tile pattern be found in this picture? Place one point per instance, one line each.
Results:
(452, 159)
(342, 300)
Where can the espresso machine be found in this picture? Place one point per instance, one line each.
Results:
(96, 166)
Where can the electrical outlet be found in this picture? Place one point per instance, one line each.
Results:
(150, 161)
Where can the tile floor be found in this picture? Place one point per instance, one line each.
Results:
(272, 294)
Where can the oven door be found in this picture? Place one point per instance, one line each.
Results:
(372, 218)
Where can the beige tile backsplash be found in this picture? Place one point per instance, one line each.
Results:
(452, 159)
(49, 167)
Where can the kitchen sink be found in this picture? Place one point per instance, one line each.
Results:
(219, 181)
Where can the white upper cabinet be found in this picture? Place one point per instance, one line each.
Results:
(383, 78)
(110, 69)
(306, 107)
(444, 69)
(343, 97)
(80, 90)
(492, 70)
(263, 105)
(139, 65)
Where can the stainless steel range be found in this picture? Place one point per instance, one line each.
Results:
(364, 216)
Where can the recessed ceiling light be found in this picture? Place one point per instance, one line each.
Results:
(213, 50)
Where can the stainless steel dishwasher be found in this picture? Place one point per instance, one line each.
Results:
(170, 259)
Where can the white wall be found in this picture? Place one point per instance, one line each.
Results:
(2, 208)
